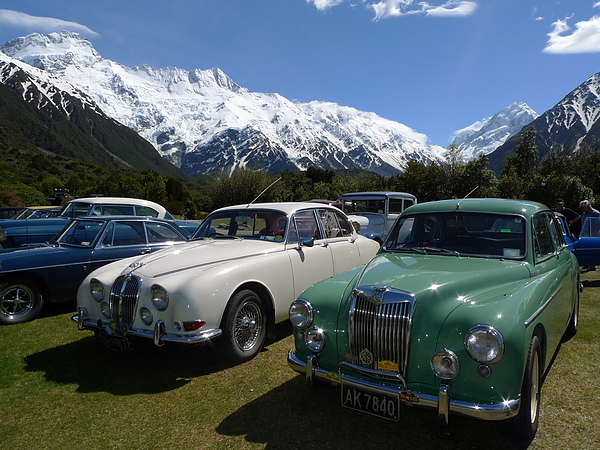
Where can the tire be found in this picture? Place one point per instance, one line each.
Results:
(525, 424)
(244, 327)
(20, 301)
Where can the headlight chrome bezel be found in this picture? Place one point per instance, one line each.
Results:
(159, 297)
(445, 364)
(315, 339)
(97, 290)
(301, 314)
(484, 344)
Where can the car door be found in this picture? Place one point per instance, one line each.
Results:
(338, 236)
(554, 270)
(587, 247)
(121, 239)
(309, 253)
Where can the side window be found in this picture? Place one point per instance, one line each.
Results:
(107, 241)
(129, 233)
(395, 206)
(557, 234)
(306, 226)
(145, 211)
(161, 233)
(346, 227)
(330, 223)
(113, 210)
(542, 237)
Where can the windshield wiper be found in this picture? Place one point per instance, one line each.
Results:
(433, 249)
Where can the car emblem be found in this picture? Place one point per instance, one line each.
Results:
(137, 265)
(366, 357)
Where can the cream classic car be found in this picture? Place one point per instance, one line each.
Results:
(233, 281)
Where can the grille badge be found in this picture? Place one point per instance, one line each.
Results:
(366, 357)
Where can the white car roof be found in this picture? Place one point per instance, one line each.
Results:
(287, 207)
(122, 201)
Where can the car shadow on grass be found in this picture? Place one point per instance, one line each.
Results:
(293, 416)
(146, 369)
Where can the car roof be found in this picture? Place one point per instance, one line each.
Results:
(107, 218)
(378, 194)
(498, 205)
(119, 201)
(287, 207)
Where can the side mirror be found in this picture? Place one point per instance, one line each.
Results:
(307, 242)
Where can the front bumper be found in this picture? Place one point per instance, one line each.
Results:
(158, 334)
(442, 403)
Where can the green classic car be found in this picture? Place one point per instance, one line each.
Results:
(461, 312)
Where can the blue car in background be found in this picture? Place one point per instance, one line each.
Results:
(31, 276)
(19, 233)
(586, 246)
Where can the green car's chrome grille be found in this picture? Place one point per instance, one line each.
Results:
(123, 299)
(379, 328)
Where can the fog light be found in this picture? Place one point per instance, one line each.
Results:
(315, 339)
(445, 364)
(146, 316)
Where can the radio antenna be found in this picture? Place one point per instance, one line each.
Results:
(473, 190)
(265, 190)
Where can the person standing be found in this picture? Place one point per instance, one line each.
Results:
(571, 216)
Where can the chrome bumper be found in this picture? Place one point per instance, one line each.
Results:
(158, 334)
(442, 403)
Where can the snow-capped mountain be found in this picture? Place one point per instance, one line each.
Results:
(55, 116)
(570, 124)
(485, 136)
(203, 122)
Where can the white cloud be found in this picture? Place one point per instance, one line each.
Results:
(585, 38)
(16, 19)
(395, 8)
(323, 5)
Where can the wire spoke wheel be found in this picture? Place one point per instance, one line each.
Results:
(248, 326)
(244, 326)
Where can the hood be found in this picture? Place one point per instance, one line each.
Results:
(41, 255)
(444, 278)
(195, 254)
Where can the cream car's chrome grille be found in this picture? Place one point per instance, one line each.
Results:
(123, 299)
(379, 328)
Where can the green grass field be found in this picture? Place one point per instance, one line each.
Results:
(59, 390)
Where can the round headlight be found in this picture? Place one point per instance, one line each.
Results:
(105, 308)
(301, 313)
(315, 339)
(146, 316)
(96, 290)
(484, 344)
(445, 364)
(159, 297)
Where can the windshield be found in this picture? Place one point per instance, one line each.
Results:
(458, 233)
(80, 232)
(244, 223)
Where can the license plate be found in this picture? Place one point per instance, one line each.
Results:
(117, 343)
(379, 404)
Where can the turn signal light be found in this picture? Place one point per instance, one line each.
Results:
(195, 325)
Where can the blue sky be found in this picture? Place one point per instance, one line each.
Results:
(435, 66)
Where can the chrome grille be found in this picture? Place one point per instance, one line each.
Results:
(123, 299)
(379, 328)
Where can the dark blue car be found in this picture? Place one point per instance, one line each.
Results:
(586, 246)
(31, 276)
(20, 233)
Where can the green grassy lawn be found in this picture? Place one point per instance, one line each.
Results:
(58, 390)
